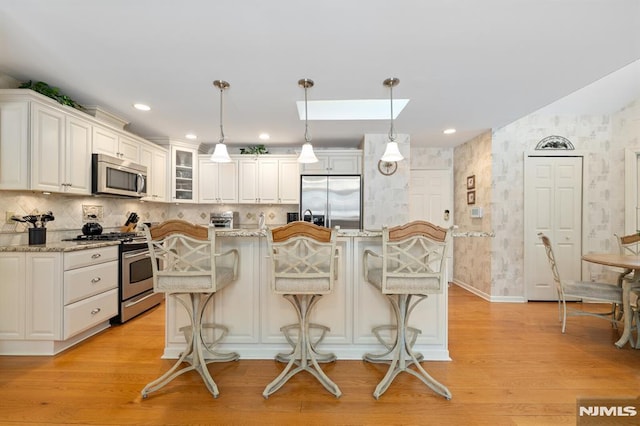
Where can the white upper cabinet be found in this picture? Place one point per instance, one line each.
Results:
(288, 181)
(60, 151)
(14, 144)
(155, 159)
(335, 162)
(217, 182)
(182, 169)
(268, 179)
(77, 156)
(184, 174)
(106, 141)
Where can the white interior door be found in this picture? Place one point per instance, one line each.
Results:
(430, 198)
(552, 205)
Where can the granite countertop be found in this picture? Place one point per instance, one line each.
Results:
(255, 232)
(62, 246)
(65, 246)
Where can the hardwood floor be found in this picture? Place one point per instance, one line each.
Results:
(510, 366)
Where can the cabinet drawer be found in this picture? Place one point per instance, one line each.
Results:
(86, 313)
(84, 282)
(78, 259)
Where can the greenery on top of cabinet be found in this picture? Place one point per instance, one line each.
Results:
(51, 92)
(257, 149)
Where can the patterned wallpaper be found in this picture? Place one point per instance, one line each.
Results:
(500, 154)
(385, 198)
(424, 158)
(472, 256)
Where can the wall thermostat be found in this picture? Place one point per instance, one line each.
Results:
(476, 212)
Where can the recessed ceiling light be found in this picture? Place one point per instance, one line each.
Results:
(142, 107)
(449, 131)
(359, 109)
(264, 136)
(191, 136)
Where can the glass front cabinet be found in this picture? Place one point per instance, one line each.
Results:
(184, 174)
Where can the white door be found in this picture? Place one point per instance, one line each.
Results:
(431, 199)
(552, 205)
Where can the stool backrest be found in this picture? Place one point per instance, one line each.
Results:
(303, 258)
(414, 258)
(186, 255)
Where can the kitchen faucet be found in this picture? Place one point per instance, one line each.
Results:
(310, 214)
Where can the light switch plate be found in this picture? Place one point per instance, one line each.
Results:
(476, 212)
(87, 210)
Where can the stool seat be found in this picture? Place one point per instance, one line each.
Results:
(187, 268)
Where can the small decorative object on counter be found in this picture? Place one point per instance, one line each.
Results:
(92, 228)
(37, 236)
(130, 224)
(262, 221)
(38, 230)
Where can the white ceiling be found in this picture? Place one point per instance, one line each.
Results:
(468, 64)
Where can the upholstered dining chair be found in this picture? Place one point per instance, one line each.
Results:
(630, 245)
(410, 268)
(584, 290)
(302, 269)
(192, 272)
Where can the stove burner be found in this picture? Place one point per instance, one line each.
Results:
(109, 236)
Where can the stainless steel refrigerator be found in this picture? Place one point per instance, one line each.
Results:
(332, 200)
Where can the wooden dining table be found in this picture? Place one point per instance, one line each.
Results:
(630, 263)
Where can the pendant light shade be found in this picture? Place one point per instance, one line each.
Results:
(392, 151)
(220, 153)
(306, 155)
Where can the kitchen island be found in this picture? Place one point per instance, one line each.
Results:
(254, 315)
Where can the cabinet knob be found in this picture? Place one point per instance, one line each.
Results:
(95, 311)
(96, 255)
(96, 280)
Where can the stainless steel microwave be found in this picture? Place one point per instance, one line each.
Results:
(114, 176)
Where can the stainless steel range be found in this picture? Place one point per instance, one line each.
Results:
(135, 272)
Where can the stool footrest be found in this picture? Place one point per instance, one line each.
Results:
(304, 356)
(193, 355)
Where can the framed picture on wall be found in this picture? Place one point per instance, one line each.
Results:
(471, 182)
(471, 197)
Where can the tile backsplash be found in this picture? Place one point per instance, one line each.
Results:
(70, 213)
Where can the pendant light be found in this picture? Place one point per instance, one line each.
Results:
(220, 154)
(306, 155)
(392, 152)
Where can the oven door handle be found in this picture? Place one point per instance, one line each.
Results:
(135, 302)
(134, 254)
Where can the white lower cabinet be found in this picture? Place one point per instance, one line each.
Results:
(52, 300)
(12, 295)
(86, 313)
(254, 314)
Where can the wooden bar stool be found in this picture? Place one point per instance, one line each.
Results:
(411, 267)
(303, 267)
(192, 272)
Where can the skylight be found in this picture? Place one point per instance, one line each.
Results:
(362, 109)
